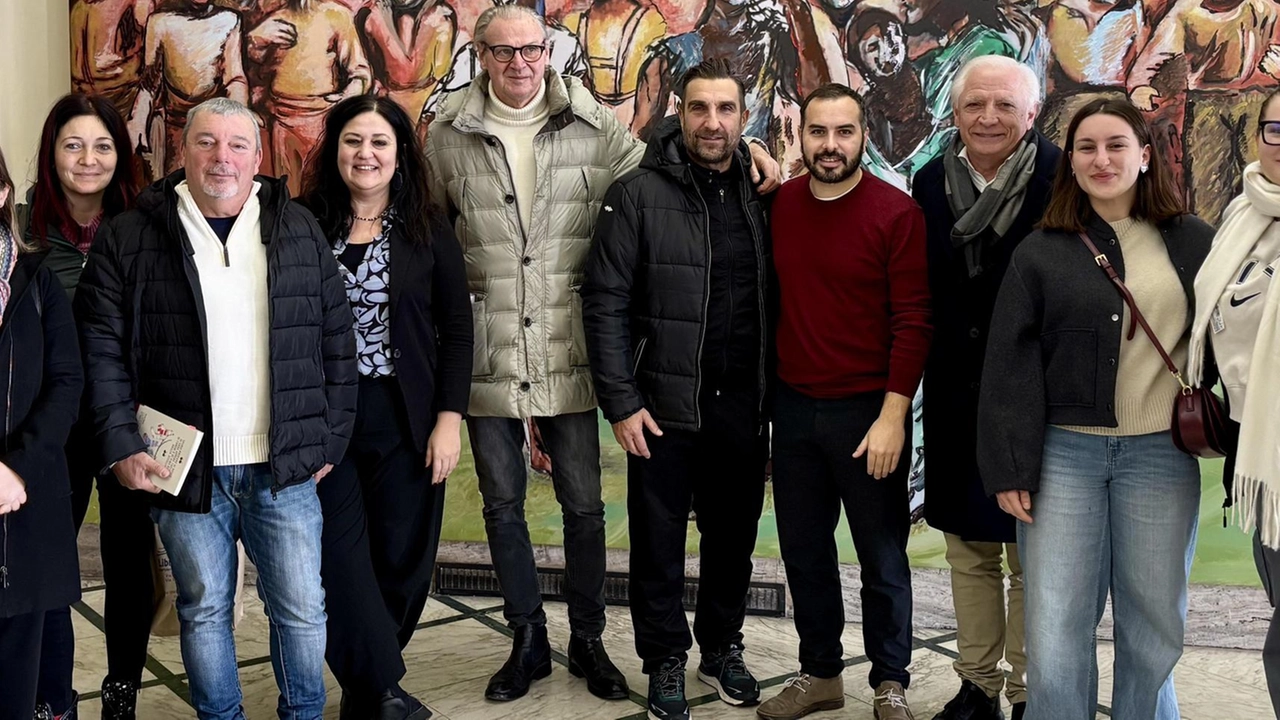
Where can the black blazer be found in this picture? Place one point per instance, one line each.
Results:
(40, 385)
(431, 330)
(1055, 338)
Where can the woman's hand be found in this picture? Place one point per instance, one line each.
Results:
(13, 491)
(444, 447)
(1017, 503)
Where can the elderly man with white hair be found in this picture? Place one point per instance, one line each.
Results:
(217, 302)
(980, 199)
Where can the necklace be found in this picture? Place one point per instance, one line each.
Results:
(375, 218)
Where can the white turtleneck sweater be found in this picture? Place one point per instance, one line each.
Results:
(515, 129)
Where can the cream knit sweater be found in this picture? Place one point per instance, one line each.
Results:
(516, 130)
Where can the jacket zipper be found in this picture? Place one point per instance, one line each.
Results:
(761, 291)
(728, 336)
(8, 423)
(706, 308)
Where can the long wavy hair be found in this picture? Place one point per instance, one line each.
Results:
(49, 204)
(326, 194)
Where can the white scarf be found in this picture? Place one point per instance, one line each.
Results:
(1256, 488)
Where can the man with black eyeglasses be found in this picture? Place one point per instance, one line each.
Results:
(521, 160)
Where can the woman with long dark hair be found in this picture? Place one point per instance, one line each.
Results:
(1074, 420)
(40, 387)
(366, 183)
(84, 175)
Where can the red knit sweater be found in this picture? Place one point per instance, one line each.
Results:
(854, 290)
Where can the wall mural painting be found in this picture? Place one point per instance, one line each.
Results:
(1198, 68)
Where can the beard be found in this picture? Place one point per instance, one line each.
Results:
(838, 175)
(702, 149)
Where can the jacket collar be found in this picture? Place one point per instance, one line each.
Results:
(159, 202)
(567, 101)
(666, 154)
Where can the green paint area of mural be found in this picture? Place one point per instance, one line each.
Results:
(1223, 556)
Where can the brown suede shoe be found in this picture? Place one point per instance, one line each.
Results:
(891, 702)
(804, 694)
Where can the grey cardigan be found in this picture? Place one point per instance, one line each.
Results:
(1055, 339)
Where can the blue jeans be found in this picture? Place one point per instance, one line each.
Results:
(281, 535)
(1117, 515)
(573, 443)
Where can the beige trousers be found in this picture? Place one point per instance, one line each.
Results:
(984, 632)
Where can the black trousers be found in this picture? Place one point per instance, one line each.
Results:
(20, 638)
(719, 471)
(814, 472)
(382, 520)
(1268, 563)
(127, 541)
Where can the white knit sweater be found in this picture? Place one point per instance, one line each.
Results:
(516, 129)
(233, 281)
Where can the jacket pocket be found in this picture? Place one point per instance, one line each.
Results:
(1070, 366)
(577, 333)
(481, 366)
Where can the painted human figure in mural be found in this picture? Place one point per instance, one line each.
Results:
(192, 54)
(411, 47)
(106, 47)
(311, 58)
(751, 34)
(617, 35)
(1232, 60)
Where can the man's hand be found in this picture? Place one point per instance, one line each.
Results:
(630, 433)
(274, 32)
(1270, 63)
(763, 164)
(13, 491)
(133, 471)
(444, 447)
(319, 474)
(1017, 503)
(1144, 98)
(883, 442)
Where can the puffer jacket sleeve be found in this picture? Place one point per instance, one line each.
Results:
(338, 348)
(100, 308)
(606, 304)
(451, 309)
(1011, 404)
(625, 150)
(43, 434)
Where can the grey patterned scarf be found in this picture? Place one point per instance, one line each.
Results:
(996, 208)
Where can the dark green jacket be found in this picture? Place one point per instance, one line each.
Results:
(64, 258)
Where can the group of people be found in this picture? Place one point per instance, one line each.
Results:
(533, 260)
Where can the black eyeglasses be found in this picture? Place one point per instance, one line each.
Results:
(507, 53)
(1270, 131)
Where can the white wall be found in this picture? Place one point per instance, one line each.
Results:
(35, 70)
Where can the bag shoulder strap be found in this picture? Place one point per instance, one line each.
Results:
(1136, 315)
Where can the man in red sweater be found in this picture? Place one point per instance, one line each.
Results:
(853, 334)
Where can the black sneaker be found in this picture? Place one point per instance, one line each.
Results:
(727, 672)
(666, 692)
(119, 700)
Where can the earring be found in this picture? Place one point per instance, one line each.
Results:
(1143, 168)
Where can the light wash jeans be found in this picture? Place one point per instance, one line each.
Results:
(1118, 515)
(281, 535)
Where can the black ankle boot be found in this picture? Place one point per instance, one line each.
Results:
(530, 660)
(971, 703)
(119, 700)
(588, 660)
(396, 704)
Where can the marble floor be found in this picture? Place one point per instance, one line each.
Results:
(462, 640)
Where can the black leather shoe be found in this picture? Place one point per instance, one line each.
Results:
(588, 659)
(119, 700)
(1019, 709)
(530, 660)
(971, 703)
(396, 704)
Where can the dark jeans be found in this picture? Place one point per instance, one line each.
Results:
(573, 442)
(814, 472)
(719, 472)
(382, 519)
(127, 540)
(20, 638)
(1268, 562)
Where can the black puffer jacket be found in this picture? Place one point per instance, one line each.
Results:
(644, 302)
(144, 337)
(40, 382)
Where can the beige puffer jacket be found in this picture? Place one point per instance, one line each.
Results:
(530, 349)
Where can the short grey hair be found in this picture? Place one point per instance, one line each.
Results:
(506, 12)
(225, 107)
(1030, 81)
